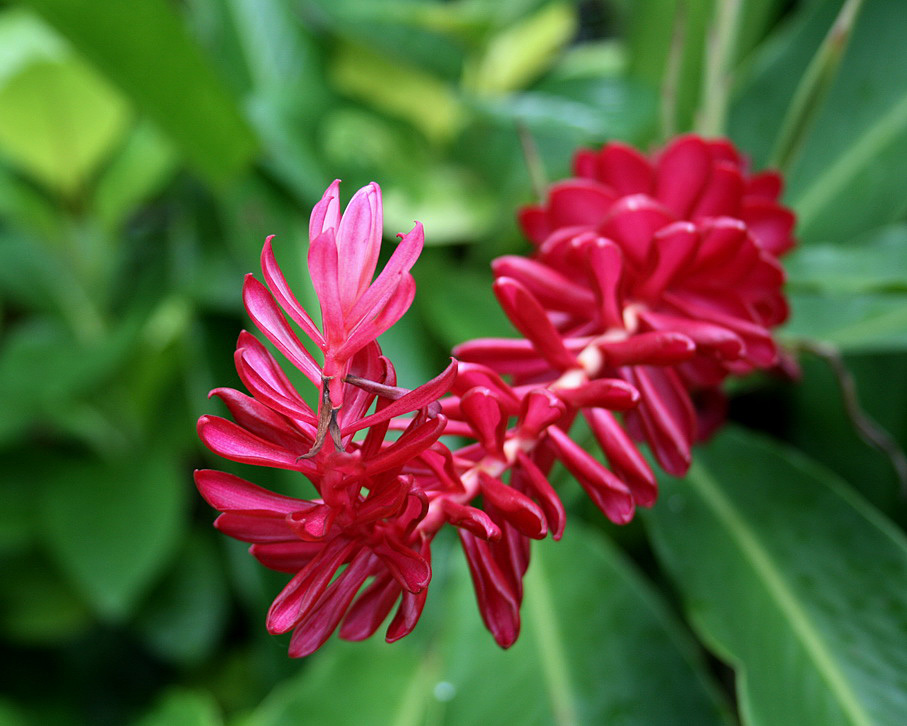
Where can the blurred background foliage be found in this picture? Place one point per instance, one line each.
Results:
(146, 150)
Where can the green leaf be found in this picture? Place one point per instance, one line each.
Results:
(598, 646)
(182, 707)
(873, 263)
(457, 301)
(865, 322)
(187, 613)
(793, 580)
(112, 527)
(145, 49)
(60, 119)
(849, 174)
(139, 169)
(39, 608)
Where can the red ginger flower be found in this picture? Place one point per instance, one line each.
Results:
(662, 273)
(368, 507)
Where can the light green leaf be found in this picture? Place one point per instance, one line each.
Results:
(519, 53)
(793, 580)
(876, 262)
(112, 528)
(60, 119)
(398, 89)
(145, 49)
(598, 646)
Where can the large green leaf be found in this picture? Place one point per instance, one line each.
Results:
(145, 49)
(848, 176)
(112, 527)
(793, 580)
(598, 646)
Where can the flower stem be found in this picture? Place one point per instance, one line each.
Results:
(671, 77)
(814, 87)
(866, 427)
(533, 161)
(717, 72)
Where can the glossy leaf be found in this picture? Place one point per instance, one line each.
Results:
(601, 648)
(793, 580)
(144, 48)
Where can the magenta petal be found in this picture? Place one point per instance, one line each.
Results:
(407, 615)
(401, 261)
(725, 343)
(326, 214)
(408, 446)
(625, 169)
(532, 481)
(312, 632)
(528, 316)
(611, 393)
(579, 202)
(541, 408)
(723, 194)
(651, 348)
(266, 315)
(408, 567)
(498, 604)
(766, 185)
(666, 416)
(683, 170)
(387, 313)
(301, 593)
(608, 492)
(534, 223)
(514, 506)
(226, 492)
(605, 270)
(370, 609)
(359, 242)
(482, 411)
(227, 439)
(550, 288)
(286, 556)
(770, 224)
(674, 247)
(279, 288)
(265, 381)
(623, 456)
(324, 269)
(471, 375)
(633, 223)
(256, 527)
(470, 518)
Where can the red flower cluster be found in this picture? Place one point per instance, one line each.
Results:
(661, 273)
(651, 281)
